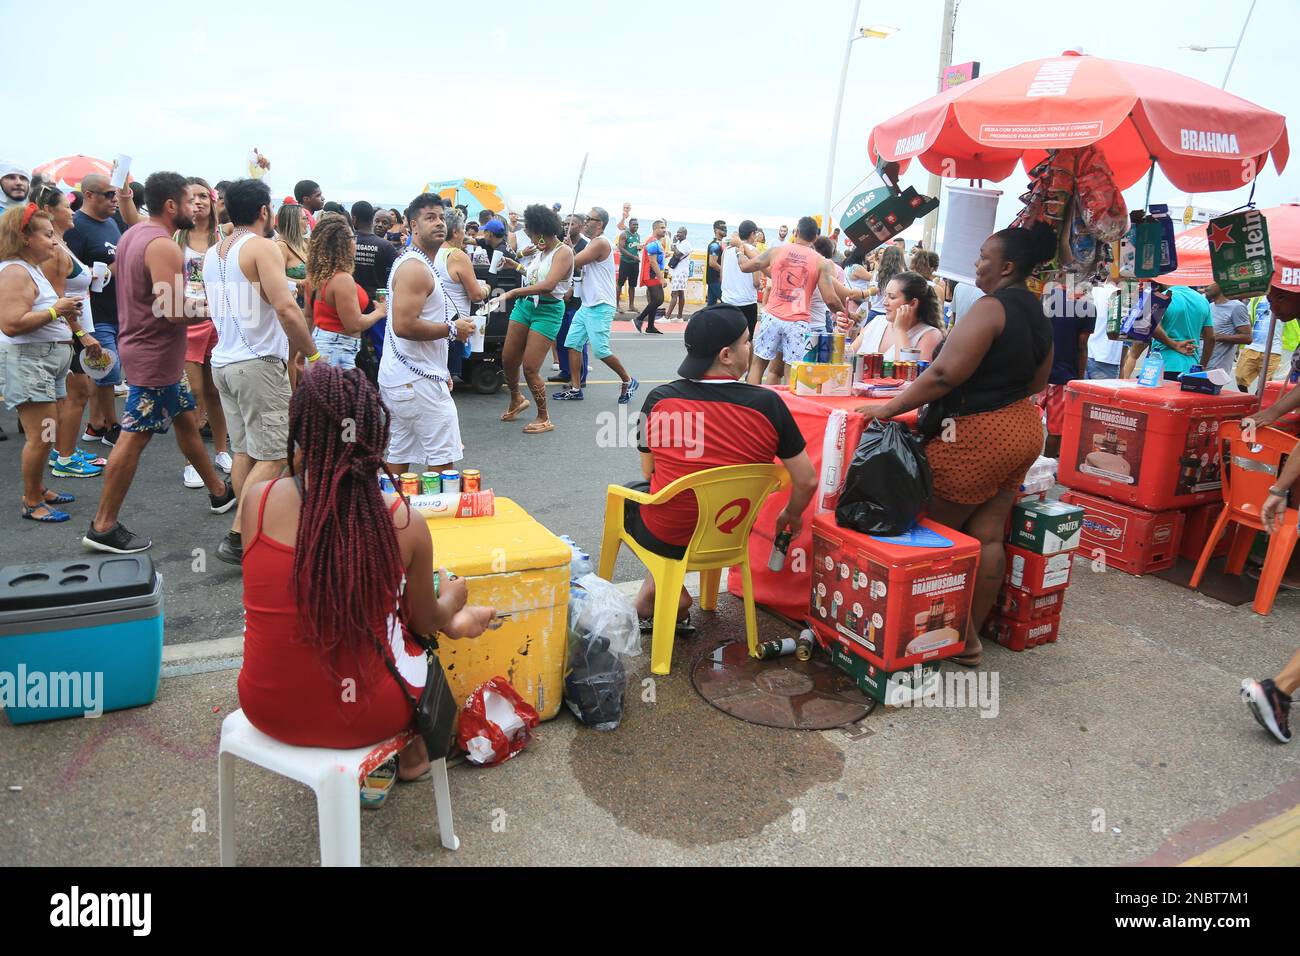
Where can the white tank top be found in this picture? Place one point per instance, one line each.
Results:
(540, 268)
(598, 281)
(56, 331)
(455, 290)
(247, 326)
(406, 360)
(79, 285)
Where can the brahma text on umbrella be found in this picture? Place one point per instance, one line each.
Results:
(1210, 141)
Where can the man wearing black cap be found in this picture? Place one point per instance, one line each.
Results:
(706, 419)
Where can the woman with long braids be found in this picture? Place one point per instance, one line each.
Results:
(334, 577)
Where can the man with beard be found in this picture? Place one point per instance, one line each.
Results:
(259, 325)
(150, 289)
(15, 184)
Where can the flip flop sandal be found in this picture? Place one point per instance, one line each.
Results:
(537, 428)
(51, 516)
(428, 772)
(59, 498)
(685, 629)
(378, 784)
(514, 413)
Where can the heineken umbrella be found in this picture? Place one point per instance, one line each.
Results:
(1202, 137)
(474, 194)
(1283, 236)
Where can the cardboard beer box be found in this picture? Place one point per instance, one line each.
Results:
(821, 378)
(891, 688)
(1046, 527)
(1240, 255)
(1038, 573)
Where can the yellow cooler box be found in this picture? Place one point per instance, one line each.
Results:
(510, 562)
(821, 378)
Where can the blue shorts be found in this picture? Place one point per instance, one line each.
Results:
(591, 323)
(153, 409)
(336, 348)
(106, 335)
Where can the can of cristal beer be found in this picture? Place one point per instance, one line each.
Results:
(410, 482)
(451, 482)
(471, 480)
(430, 483)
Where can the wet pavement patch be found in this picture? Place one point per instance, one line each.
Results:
(678, 769)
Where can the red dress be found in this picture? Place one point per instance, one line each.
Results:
(288, 691)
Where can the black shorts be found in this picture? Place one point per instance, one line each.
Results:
(628, 271)
(641, 534)
(751, 316)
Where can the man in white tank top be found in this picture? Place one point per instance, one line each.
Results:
(413, 379)
(592, 321)
(259, 325)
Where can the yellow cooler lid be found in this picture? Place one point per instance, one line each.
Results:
(508, 541)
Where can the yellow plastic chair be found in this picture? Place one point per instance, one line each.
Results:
(729, 499)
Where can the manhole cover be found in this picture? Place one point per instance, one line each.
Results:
(786, 692)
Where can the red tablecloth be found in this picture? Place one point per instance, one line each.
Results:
(787, 591)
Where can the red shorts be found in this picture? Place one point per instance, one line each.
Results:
(200, 340)
(1052, 402)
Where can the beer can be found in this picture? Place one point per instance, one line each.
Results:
(911, 371)
(921, 367)
(823, 347)
(811, 344)
(837, 347)
(877, 364)
(803, 646)
(471, 480)
(430, 483)
(770, 650)
(410, 483)
(886, 368)
(776, 560)
(910, 355)
(451, 482)
(386, 485)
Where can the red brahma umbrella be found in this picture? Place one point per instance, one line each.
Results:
(1205, 140)
(68, 172)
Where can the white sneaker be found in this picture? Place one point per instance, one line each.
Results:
(555, 366)
(224, 461)
(191, 477)
(121, 389)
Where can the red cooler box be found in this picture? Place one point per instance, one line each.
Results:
(1272, 392)
(1197, 524)
(893, 604)
(1133, 540)
(1156, 448)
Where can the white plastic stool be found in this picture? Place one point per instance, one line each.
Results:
(335, 776)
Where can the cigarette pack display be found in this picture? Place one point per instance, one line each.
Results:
(1198, 522)
(1038, 573)
(1046, 527)
(1017, 604)
(894, 604)
(889, 687)
(1130, 539)
(1021, 635)
(1156, 448)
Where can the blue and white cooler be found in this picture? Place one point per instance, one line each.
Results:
(79, 637)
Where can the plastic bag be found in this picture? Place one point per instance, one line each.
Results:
(603, 629)
(888, 484)
(495, 723)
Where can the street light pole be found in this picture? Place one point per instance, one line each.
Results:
(835, 126)
(945, 61)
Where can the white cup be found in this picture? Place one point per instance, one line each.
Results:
(480, 330)
(497, 256)
(99, 276)
(121, 167)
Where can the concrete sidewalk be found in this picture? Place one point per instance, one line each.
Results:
(1124, 743)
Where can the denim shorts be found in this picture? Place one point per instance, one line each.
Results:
(106, 335)
(337, 348)
(34, 372)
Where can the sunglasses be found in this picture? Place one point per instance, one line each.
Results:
(106, 193)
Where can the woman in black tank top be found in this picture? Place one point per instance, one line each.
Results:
(987, 430)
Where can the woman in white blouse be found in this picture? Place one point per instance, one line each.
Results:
(911, 320)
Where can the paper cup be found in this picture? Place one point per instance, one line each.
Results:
(121, 167)
(496, 262)
(97, 372)
(480, 330)
(99, 276)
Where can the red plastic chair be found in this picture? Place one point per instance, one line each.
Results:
(1249, 471)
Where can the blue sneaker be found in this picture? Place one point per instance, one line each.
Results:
(628, 390)
(568, 395)
(77, 467)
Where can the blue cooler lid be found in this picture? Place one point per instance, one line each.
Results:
(84, 580)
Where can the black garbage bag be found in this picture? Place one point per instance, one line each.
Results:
(594, 686)
(888, 484)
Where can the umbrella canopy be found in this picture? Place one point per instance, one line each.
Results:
(68, 172)
(474, 194)
(1283, 237)
(1203, 138)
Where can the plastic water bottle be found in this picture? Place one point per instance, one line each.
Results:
(582, 565)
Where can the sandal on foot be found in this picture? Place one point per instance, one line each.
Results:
(58, 497)
(428, 772)
(537, 428)
(514, 413)
(684, 629)
(51, 516)
(378, 784)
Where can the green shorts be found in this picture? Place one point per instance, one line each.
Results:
(544, 318)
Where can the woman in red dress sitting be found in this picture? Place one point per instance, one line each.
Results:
(334, 575)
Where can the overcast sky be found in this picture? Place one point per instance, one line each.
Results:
(689, 111)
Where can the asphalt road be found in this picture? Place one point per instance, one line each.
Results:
(560, 477)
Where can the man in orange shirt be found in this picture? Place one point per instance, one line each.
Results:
(796, 272)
